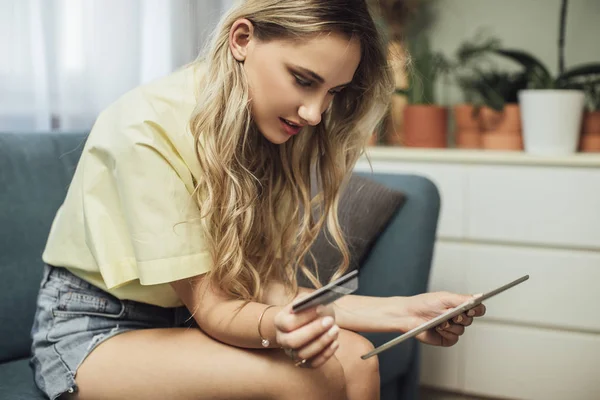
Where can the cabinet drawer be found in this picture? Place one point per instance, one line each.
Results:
(511, 362)
(561, 292)
(549, 206)
(450, 180)
(442, 367)
(524, 363)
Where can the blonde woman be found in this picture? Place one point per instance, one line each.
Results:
(171, 265)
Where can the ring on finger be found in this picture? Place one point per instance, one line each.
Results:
(301, 363)
(291, 353)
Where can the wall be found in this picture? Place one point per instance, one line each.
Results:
(530, 25)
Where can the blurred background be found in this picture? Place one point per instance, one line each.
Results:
(63, 61)
(497, 103)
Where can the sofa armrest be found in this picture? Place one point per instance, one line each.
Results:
(400, 261)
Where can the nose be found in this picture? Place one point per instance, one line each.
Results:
(312, 110)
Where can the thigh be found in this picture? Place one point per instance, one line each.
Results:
(179, 363)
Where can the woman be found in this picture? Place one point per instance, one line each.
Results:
(171, 264)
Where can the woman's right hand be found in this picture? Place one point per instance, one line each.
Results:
(309, 335)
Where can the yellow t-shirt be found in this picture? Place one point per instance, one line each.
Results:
(129, 224)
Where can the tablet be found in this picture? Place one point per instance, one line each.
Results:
(453, 312)
(329, 293)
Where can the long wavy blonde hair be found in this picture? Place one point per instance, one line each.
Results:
(258, 213)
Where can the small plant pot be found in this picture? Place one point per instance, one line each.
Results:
(425, 126)
(465, 118)
(551, 120)
(590, 122)
(467, 131)
(506, 121)
(501, 141)
(590, 143)
(468, 139)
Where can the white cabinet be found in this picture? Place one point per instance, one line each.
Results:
(534, 205)
(503, 216)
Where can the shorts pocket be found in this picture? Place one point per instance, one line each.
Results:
(73, 303)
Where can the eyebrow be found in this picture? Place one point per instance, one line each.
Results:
(317, 77)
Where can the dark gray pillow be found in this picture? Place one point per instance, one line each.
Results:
(364, 211)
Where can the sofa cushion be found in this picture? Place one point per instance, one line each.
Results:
(16, 381)
(364, 210)
(35, 172)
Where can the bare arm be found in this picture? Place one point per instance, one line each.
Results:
(311, 334)
(394, 314)
(222, 318)
(355, 313)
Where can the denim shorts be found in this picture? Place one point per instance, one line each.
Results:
(73, 317)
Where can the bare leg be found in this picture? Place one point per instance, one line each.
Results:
(362, 376)
(187, 364)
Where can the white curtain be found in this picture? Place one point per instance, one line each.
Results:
(63, 61)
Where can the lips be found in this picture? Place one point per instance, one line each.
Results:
(290, 128)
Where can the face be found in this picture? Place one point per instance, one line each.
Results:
(292, 83)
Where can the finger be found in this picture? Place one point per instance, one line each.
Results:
(317, 346)
(463, 319)
(457, 329)
(477, 311)
(325, 355)
(302, 336)
(447, 338)
(287, 321)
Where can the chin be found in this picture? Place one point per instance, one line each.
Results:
(279, 139)
(274, 136)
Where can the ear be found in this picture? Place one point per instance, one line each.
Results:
(240, 36)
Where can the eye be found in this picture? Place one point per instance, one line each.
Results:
(337, 91)
(302, 82)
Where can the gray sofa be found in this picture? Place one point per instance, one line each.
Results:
(35, 171)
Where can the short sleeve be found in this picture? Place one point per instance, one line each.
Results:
(140, 216)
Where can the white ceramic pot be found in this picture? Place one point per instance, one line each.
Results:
(551, 120)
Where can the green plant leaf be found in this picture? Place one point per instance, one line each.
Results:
(538, 74)
(584, 70)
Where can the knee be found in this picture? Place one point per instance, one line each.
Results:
(335, 378)
(359, 346)
(328, 382)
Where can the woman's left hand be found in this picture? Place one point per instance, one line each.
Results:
(424, 307)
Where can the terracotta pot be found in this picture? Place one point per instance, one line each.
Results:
(590, 143)
(467, 127)
(468, 139)
(465, 118)
(506, 121)
(591, 122)
(501, 141)
(425, 126)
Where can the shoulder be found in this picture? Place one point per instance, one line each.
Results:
(154, 115)
(166, 102)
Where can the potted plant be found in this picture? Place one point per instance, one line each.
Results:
(425, 122)
(496, 107)
(401, 21)
(490, 117)
(552, 107)
(470, 55)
